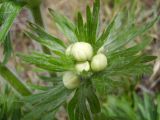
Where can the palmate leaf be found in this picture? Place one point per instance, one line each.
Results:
(45, 104)
(92, 22)
(57, 64)
(37, 33)
(80, 30)
(105, 34)
(64, 25)
(123, 64)
(88, 31)
(125, 35)
(84, 103)
(118, 108)
(10, 106)
(8, 12)
(146, 108)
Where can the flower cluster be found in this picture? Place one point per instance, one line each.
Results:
(86, 61)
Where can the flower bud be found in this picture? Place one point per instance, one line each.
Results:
(101, 50)
(83, 66)
(82, 51)
(71, 80)
(99, 62)
(68, 50)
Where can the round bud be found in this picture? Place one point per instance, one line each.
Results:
(71, 80)
(68, 50)
(99, 62)
(83, 66)
(82, 51)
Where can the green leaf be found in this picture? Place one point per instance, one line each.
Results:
(14, 81)
(48, 62)
(105, 34)
(122, 66)
(64, 25)
(81, 30)
(10, 106)
(7, 49)
(8, 12)
(126, 35)
(71, 106)
(92, 22)
(78, 108)
(93, 101)
(37, 33)
(118, 108)
(95, 19)
(47, 102)
(89, 25)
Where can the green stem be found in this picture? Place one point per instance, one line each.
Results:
(37, 16)
(14, 81)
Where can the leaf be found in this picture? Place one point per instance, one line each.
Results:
(48, 62)
(95, 19)
(46, 103)
(37, 87)
(105, 34)
(14, 81)
(71, 106)
(132, 50)
(78, 108)
(118, 108)
(80, 30)
(64, 25)
(8, 12)
(7, 49)
(37, 33)
(92, 22)
(10, 106)
(89, 25)
(93, 101)
(122, 66)
(128, 34)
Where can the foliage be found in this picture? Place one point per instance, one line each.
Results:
(125, 62)
(10, 107)
(146, 108)
(14, 81)
(8, 12)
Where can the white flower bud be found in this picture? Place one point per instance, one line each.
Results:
(99, 62)
(68, 50)
(82, 51)
(100, 50)
(71, 80)
(83, 66)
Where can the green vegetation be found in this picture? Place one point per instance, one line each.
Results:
(100, 93)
